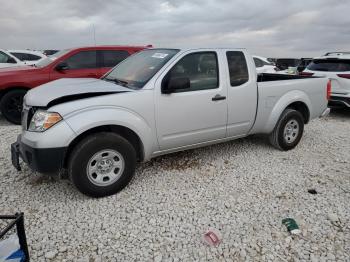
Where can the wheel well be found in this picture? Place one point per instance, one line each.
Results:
(125, 132)
(4, 91)
(302, 108)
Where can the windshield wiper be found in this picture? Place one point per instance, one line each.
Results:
(117, 81)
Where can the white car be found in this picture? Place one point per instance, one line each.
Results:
(263, 65)
(28, 57)
(335, 66)
(8, 60)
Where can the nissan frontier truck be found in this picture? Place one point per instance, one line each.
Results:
(156, 102)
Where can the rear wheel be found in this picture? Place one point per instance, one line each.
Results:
(102, 164)
(11, 105)
(288, 130)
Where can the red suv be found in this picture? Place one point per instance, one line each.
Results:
(78, 62)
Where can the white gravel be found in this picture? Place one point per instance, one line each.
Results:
(243, 189)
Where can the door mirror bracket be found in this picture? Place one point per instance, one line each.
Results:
(172, 84)
(61, 66)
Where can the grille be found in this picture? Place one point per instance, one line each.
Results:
(27, 115)
(24, 118)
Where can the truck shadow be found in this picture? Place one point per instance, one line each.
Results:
(340, 113)
(196, 158)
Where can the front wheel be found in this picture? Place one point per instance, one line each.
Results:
(288, 130)
(102, 164)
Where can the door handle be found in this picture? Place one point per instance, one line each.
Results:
(218, 97)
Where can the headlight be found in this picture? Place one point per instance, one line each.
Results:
(43, 120)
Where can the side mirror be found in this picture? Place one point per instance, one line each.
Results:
(175, 83)
(11, 60)
(61, 66)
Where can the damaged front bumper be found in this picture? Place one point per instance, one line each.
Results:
(42, 160)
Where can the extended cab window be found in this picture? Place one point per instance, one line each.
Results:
(82, 60)
(200, 68)
(238, 68)
(111, 58)
(330, 65)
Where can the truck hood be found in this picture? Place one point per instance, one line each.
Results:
(69, 89)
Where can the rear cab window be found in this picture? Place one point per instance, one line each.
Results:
(238, 68)
(330, 65)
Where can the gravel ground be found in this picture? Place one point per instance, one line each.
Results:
(243, 189)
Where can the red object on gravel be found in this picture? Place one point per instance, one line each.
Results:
(211, 237)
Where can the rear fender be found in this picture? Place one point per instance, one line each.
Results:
(286, 100)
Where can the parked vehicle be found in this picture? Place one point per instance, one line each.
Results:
(49, 52)
(157, 102)
(272, 60)
(71, 63)
(336, 66)
(8, 60)
(28, 57)
(263, 65)
(304, 62)
(287, 65)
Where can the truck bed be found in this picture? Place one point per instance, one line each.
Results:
(266, 77)
(275, 94)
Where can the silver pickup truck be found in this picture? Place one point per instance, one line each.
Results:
(156, 102)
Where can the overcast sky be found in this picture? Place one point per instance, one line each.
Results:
(272, 28)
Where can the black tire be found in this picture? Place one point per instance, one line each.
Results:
(277, 137)
(84, 151)
(11, 105)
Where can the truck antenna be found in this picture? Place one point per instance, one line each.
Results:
(94, 32)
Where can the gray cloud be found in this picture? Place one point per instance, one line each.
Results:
(270, 27)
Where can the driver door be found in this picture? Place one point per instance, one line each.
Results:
(196, 114)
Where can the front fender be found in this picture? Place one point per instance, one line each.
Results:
(88, 118)
(282, 103)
